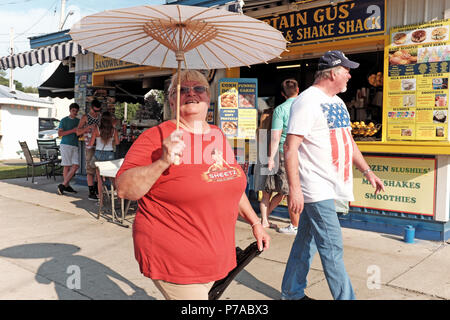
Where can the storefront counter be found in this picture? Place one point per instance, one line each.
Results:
(405, 147)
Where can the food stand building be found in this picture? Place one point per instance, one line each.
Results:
(398, 99)
(400, 89)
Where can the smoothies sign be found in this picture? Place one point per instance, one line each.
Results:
(238, 114)
(409, 185)
(417, 82)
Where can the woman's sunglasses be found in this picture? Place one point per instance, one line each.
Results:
(196, 89)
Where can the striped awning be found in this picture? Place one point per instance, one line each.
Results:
(42, 55)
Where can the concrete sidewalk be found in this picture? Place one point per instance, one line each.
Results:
(47, 240)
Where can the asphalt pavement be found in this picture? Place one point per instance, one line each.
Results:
(53, 247)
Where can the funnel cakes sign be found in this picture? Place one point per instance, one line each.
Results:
(342, 20)
(238, 107)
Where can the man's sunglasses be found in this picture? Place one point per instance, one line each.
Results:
(196, 89)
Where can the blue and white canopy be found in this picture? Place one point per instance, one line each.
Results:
(42, 55)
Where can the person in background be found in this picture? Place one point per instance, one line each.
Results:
(69, 147)
(320, 152)
(184, 230)
(88, 123)
(278, 182)
(269, 200)
(104, 138)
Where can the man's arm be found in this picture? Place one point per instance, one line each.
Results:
(63, 133)
(274, 143)
(295, 199)
(82, 127)
(361, 164)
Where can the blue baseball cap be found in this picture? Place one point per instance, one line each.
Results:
(336, 58)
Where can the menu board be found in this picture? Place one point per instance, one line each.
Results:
(210, 115)
(238, 115)
(417, 82)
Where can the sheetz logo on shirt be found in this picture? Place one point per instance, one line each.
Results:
(220, 170)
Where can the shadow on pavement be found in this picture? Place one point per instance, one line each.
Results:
(75, 276)
(247, 279)
(79, 199)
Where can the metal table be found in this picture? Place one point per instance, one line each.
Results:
(109, 169)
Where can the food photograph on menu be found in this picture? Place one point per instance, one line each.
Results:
(408, 84)
(440, 83)
(421, 36)
(402, 56)
(440, 116)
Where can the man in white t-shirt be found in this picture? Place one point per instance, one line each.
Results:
(319, 154)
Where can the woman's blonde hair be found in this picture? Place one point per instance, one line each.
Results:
(188, 75)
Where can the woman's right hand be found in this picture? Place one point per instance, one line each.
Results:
(173, 147)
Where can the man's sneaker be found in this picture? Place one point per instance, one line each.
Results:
(290, 229)
(61, 189)
(92, 196)
(70, 189)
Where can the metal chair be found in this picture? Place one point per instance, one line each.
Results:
(49, 151)
(108, 170)
(30, 161)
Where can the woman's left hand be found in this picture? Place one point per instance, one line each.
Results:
(261, 236)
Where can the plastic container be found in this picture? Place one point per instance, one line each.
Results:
(409, 234)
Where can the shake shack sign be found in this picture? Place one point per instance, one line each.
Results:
(342, 20)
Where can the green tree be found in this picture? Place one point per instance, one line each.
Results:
(30, 90)
(19, 86)
(132, 108)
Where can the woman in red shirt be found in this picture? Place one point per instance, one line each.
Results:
(184, 230)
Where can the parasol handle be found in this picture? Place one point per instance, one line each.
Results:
(177, 160)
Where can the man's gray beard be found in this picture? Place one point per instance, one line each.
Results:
(344, 90)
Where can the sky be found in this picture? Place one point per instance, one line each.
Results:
(30, 18)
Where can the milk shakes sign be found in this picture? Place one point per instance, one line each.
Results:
(345, 19)
(410, 185)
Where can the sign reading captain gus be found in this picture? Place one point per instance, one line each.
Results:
(342, 20)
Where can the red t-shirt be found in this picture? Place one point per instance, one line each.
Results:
(184, 228)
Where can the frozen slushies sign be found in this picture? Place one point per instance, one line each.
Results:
(409, 185)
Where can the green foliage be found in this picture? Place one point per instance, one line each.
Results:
(30, 90)
(5, 82)
(158, 95)
(132, 108)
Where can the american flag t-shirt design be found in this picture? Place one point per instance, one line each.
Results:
(340, 135)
